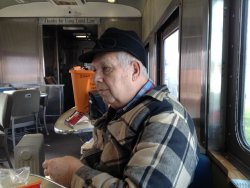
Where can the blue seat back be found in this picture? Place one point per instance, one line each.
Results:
(203, 173)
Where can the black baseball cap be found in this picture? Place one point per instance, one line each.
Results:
(114, 40)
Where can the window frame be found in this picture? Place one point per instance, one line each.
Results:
(242, 74)
(168, 28)
(235, 148)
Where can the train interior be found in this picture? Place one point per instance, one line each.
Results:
(192, 46)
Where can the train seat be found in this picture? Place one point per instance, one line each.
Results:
(203, 173)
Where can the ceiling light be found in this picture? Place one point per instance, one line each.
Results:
(82, 35)
(65, 2)
(111, 1)
(72, 28)
(20, 1)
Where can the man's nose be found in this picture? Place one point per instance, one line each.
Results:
(98, 77)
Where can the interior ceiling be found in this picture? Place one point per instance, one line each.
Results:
(138, 4)
(78, 8)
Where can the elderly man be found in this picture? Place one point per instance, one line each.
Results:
(146, 139)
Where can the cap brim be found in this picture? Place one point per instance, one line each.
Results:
(88, 56)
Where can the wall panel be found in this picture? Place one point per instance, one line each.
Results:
(20, 49)
(194, 61)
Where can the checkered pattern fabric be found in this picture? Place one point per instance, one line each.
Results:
(152, 144)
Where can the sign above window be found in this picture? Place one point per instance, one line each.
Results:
(68, 21)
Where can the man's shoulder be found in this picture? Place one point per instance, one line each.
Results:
(161, 100)
(158, 92)
(153, 102)
(158, 97)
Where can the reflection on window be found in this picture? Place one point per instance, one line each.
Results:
(246, 105)
(171, 63)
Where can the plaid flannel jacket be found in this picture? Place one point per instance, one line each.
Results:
(153, 144)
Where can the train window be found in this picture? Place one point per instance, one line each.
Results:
(168, 38)
(238, 98)
(246, 88)
(171, 63)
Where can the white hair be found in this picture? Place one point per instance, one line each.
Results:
(125, 58)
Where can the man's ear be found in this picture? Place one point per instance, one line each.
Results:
(136, 70)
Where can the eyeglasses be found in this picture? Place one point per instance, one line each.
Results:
(106, 43)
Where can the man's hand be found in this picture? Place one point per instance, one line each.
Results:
(61, 169)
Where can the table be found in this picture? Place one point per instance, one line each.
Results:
(10, 92)
(81, 127)
(46, 183)
(43, 96)
(32, 181)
